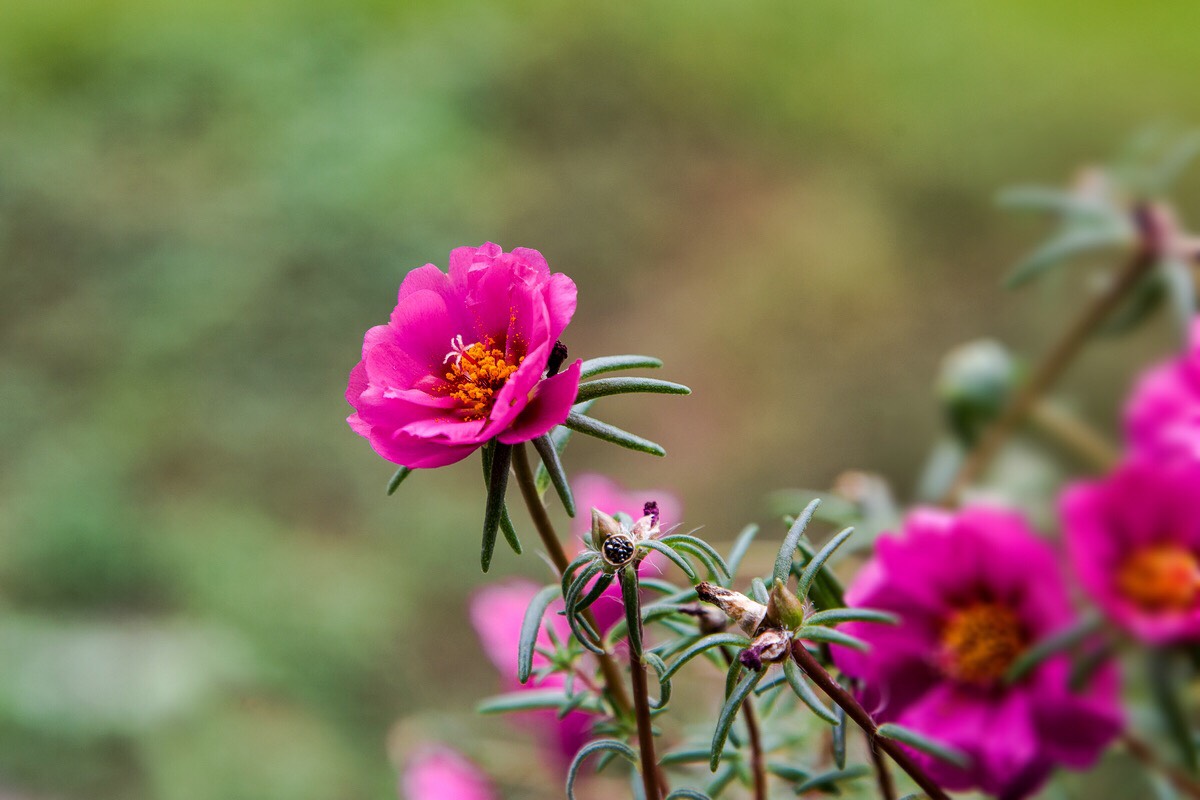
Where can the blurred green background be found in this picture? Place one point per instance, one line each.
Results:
(204, 592)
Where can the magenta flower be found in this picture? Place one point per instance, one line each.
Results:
(973, 591)
(466, 358)
(436, 772)
(1134, 541)
(1162, 417)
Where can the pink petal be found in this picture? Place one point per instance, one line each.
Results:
(551, 403)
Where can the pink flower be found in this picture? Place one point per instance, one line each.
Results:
(498, 611)
(436, 772)
(1162, 417)
(973, 591)
(1134, 540)
(464, 359)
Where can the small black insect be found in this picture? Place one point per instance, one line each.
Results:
(618, 549)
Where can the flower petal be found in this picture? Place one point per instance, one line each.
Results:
(550, 405)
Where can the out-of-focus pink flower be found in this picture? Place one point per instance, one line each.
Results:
(1162, 417)
(464, 359)
(974, 589)
(436, 772)
(498, 611)
(1134, 541)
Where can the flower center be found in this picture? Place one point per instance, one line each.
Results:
(980, 642)
(1161, 577)
(476, 372)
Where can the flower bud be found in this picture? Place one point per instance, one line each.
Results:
(770, 646)
(784, 609)
(746, 613)
(709, 619)
(603, 526)
(974, 386)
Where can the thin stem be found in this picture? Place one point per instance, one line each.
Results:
(1145, 753)
(887, 787)
(750, 717)
(1153, 229)
(1075, 435)
(641, 699)
(862, 719)
(554, 548)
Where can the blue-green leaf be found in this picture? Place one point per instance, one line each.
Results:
(728, 713)
(501, 460)
(554, 468)
(397, 479)
(783, 562)
(530, 700)
(1074, 241)
(672, 554)
(795, 678)
(816, 633)
(836, 616)
(740, 547)
(595, 747)
(606, 387)
(596, 366)
(917, 741)
(816, 562)
(830, 780)
(1066, 639)
(611, 433)
(706, 643)
(530, 626)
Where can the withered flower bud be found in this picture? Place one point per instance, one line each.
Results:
(784, 609)
(709, 619)
(746, 613)
(770, 646)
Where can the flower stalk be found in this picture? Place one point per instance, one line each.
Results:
(554, 548)
(651, 783)
(1152, 224)
(856, 712)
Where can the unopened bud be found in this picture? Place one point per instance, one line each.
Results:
(709, 619)
(603, 526)
(558, 354)
(784, 609)
(745, 613)
(768, 647)
(975, 383)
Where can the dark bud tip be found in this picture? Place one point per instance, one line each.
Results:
(751, 658)
(558, 354)
(651, 510)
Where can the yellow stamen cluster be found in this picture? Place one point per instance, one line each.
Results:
(1161, 577)
(475, 374)
(980, 642)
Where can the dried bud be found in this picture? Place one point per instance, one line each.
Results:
(746, 613)
(770, 646)
(645, 528)
(603, 526)
(558, 354)
(709, 619)
(650, 509)
(784, 609)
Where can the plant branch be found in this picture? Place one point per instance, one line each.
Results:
(1153, 226)
(750, 717)
(641, 698)
(554, 548)
(1140, 750)
(887, 787)
(1074, 435)
(862, 719)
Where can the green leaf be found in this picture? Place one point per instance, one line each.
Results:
(595, 747)
(497, 485)
(664, 684)
(814, 565)
(611, 433)
(722, 780)
(670, 552)
(568, 575)
(829, 780)
(688, 794)
(1175, 162)
(733, 675)
(397, 479)
(559, 437)
(633, 608)
(1166, 689)
(839, 738)
(598, 588)
(530, 626)
(530, 700)
(1066, 639)
(1181, 289)
(758, 591)
(917, 741)
(597, 366)
(506, 526)
(788, 772)
(816, 633)
(577, 622)
(783, 561)
(706, 643)
(702, 550)
(835, 616)
(776, 680)
(606, 387)
(740, 547)
(1073, 242)
(1041, 198)
(554, 468)
(795, 678)
(694, 755)
(728, 713)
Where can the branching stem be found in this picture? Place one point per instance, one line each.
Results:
(862, 719)
(1153, 228)
(1180, 780)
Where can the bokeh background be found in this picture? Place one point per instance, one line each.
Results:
(204, 592)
